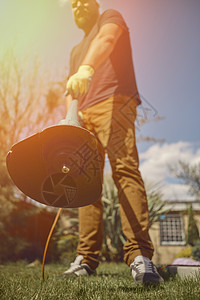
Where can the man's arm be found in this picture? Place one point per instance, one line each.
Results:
(100, 49)
(102, 45)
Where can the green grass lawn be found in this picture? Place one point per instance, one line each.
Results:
(113, 281)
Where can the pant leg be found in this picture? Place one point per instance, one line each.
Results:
(91, 216)
(90, 233)
(112, 121)
(123, 156)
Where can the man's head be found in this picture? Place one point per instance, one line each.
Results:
(85, 13)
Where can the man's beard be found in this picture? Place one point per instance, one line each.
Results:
(86, 22)
(82, 22)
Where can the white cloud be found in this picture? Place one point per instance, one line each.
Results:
(176, 191)
(155, 162)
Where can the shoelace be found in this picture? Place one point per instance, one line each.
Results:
(74, 267)
(144, 267)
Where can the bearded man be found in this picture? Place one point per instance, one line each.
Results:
(102, 79)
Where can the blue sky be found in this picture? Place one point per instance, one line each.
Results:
(166, 51)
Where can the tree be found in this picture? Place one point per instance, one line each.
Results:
(192, 232)
(156, 203)
(27, 104)
(189, 175)
(147, 113)
(27, 99)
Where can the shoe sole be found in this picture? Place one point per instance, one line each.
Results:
(148, 279)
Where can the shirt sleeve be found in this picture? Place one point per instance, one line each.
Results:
(113, 16)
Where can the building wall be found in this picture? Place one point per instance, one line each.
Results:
(167, 254)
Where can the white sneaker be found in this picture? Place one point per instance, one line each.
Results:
(78, 269)
(144, 271)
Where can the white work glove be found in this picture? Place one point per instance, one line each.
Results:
(78, 84)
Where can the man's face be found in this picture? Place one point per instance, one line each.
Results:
(85, 13)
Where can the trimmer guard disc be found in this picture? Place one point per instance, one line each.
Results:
(58, 166)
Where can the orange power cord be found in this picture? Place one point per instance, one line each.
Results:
(48, 240)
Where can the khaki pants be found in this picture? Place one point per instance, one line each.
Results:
(112, 122)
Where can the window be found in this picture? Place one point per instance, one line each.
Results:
(172, 230)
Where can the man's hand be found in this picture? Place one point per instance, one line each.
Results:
(78, 83)
(100, 49)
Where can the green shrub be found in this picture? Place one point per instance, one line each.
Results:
(113, 240)
(12, 249)
(196, 250)
(64, 248)
(156, 204)
(192, 232)
(186, 252)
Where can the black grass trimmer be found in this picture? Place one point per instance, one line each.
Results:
(58, 166)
